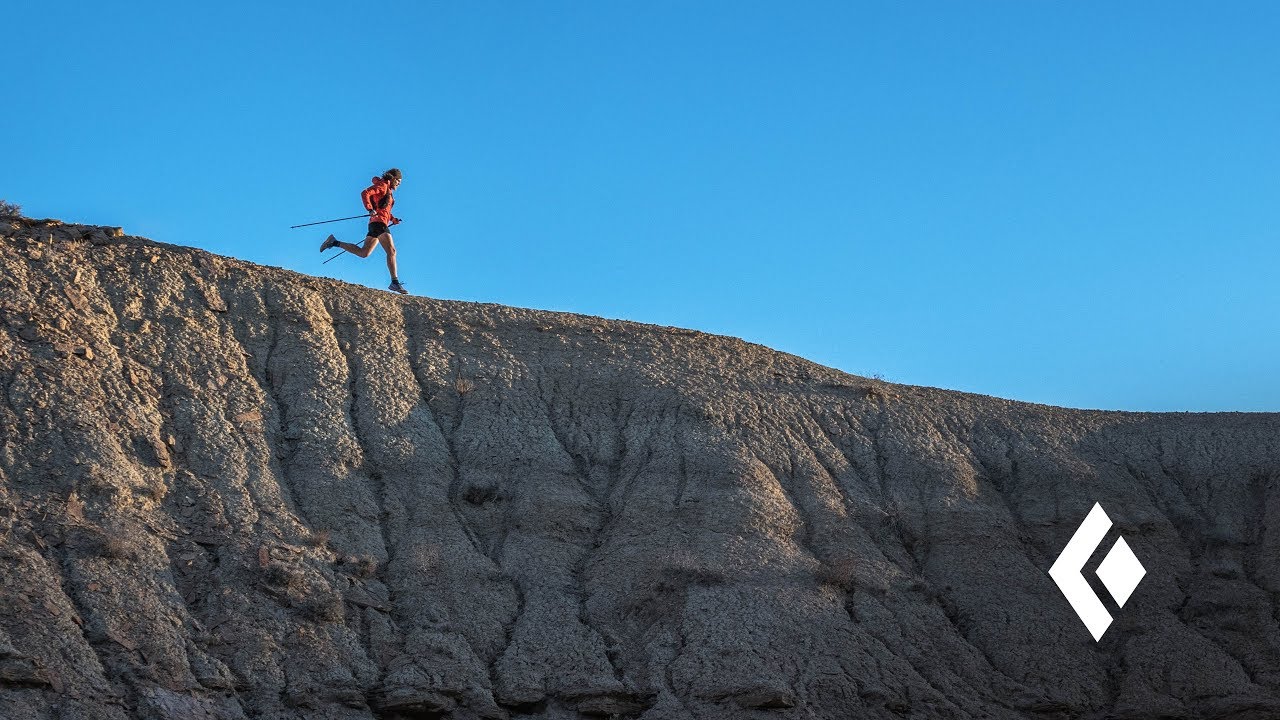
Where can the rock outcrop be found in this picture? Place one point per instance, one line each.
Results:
(232, 491)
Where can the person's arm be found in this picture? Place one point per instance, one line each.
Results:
(370, 198)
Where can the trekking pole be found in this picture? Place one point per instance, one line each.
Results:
(321, 222)
(326, 262)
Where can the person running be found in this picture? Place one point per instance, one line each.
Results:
(378, 199)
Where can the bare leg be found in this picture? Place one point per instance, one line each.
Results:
(390, 247)
(362, 250)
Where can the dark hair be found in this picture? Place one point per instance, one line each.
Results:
(392, 174)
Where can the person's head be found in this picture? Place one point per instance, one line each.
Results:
(393, 176)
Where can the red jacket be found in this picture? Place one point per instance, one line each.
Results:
(380, 197)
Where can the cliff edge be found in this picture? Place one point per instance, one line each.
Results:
(233, 491)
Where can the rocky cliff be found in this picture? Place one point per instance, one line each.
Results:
(232, 491)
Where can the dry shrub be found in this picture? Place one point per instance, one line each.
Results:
(10, 210)
(280, 576)
(318, 538)
(322, 606)
(366, 566)
(361, 566)
(463, 385)
(108, 542)
(115, 548)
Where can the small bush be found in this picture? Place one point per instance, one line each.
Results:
(279, 576)
(113, 546)
(463, 385)
(10, 210)
(322, 606)
(367, 566)
(319, 538)
(361, 566)
(107, 542)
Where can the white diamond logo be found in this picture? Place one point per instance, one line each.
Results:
(1120, 572)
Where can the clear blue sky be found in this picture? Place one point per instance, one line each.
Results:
(1073, 203)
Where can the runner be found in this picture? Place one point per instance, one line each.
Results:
(378, 199)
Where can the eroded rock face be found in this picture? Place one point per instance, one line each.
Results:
(230, 491)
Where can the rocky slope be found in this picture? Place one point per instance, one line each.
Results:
(231, 491)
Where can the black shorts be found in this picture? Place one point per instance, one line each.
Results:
(377, 228)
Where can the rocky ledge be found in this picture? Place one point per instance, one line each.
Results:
(232, 491)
